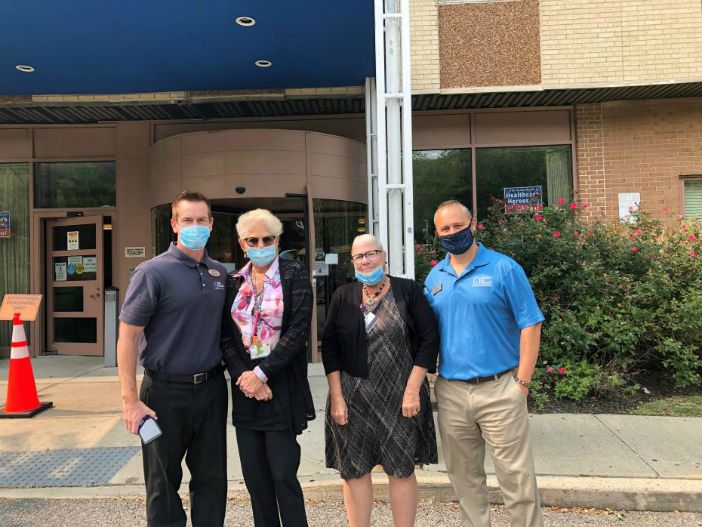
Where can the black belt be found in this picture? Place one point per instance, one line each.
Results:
(197, 378)
(489, 378)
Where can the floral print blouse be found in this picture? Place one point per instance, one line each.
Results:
(270, 320)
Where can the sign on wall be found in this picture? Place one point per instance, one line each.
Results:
(628, 203)
(26, 305)
(5, 224)
(135, 252)
(523, 199)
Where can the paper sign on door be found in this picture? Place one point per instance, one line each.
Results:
(72, 241)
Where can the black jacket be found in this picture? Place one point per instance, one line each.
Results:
(285, 367)
(344, 340)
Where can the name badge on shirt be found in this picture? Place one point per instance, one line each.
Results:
(436, 290)
(370, 319)
(258, 349)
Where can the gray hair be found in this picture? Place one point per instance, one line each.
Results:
(246, 221)
(368, 238)
(451, 203)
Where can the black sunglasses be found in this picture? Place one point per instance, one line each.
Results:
(252, 241)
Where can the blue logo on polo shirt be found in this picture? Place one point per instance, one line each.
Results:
(482, 280)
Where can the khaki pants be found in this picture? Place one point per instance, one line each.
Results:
(494, 412)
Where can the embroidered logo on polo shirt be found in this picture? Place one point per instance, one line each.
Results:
(482, 280)
(218, 285)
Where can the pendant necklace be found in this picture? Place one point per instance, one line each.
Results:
(371, 299)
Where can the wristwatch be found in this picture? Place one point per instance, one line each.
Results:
(519, 381)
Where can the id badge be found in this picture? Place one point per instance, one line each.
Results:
(370, 319)
(258, 349)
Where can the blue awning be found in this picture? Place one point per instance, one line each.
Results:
(137, 46)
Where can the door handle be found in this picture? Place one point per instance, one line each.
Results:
(95, 295)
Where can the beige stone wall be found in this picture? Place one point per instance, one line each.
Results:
(424, 45)
(595, 42)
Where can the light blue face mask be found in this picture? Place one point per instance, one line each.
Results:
(261, 257)
(372, 278)
(194, 237)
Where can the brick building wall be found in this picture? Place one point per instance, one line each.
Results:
(424, 46)
(594, 42)
(637, 146)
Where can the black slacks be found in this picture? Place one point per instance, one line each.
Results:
(193, 418)
(269, 462)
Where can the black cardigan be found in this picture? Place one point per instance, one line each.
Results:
(344, 340)
(285, 367)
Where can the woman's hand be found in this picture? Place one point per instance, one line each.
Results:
(249, 383)
(264, 393)
(410, 402)
(339, 411)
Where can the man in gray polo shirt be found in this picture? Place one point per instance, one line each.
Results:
(171, 316)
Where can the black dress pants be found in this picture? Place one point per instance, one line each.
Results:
(193, 419)
(269, 462)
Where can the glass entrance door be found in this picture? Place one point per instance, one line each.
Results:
(74, 279)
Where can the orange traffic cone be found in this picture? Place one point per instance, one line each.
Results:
(22, 399)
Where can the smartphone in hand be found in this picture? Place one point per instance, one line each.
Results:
(149, 430)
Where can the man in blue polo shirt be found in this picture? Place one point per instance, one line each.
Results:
(490, 328)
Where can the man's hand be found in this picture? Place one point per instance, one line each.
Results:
(249, 383)
(410, 402)
(524, 389)
(339, 411)
(133, 412)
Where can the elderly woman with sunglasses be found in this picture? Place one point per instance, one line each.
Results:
(379, 341)
(265, 329)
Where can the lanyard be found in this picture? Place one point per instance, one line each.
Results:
(258, 300)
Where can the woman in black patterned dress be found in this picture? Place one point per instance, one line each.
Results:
(379, 341)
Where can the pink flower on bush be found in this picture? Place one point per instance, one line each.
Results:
(637, 232)
(417, 246)
(633, 249)
(573, 205)
(560, 201)
(584, 204)
(556, 234)
(693, 254)
(665, 209)
(481, 227)
(591, 234)
(681, 216)
(538, 217)
(550, 369)
(576, 233)
(561, 371)
(692, 238)
(433, 262)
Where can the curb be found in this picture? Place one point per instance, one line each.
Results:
(631, 494)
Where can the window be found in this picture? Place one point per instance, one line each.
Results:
(14, 238)
(693, 198)
(67, 185)
(500, 168)
(438, 175)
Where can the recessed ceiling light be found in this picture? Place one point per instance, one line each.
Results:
(24, 68)
(264, 63)
(246, 21)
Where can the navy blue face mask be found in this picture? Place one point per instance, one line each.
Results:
(458, 242)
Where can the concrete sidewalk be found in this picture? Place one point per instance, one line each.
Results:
(622, 462)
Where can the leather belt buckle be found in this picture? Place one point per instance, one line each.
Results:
(199, 378)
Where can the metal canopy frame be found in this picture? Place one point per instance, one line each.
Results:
(389, 137)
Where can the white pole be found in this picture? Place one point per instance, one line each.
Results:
(407, 142)
(380, 120)
(394, 138)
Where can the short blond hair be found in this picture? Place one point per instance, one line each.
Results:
(246, 220)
